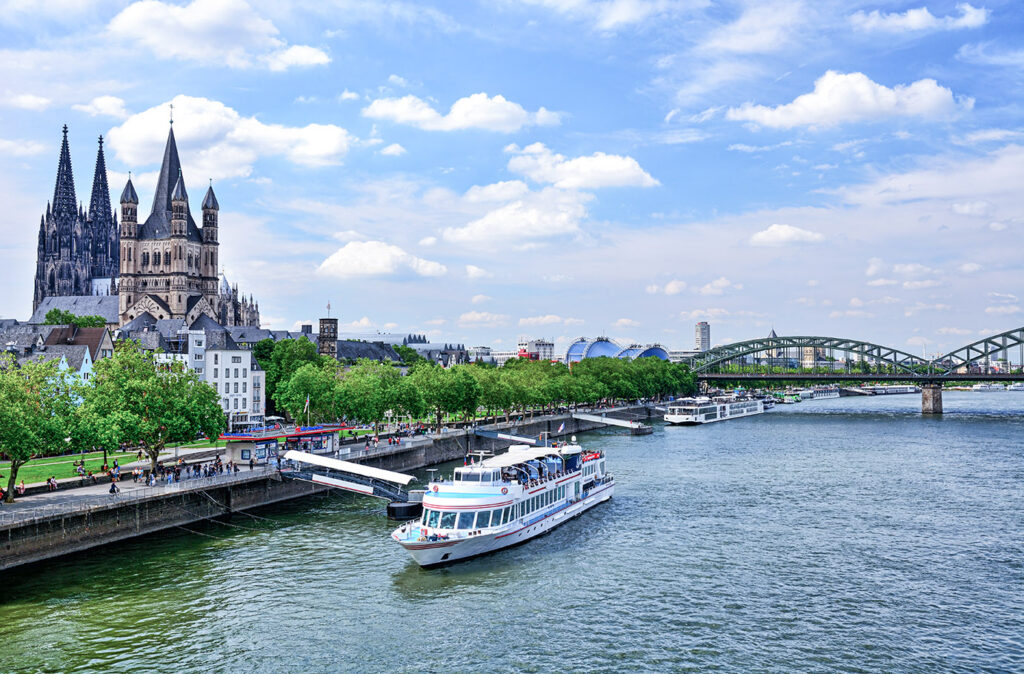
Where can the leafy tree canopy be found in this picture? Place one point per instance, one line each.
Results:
(61, 317)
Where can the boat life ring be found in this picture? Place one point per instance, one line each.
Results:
(435, 487)
(504, 490)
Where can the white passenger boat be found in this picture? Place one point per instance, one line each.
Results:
(1016, 386)
(695, 411)
(988, 387)
(505, 500)
(821, 392)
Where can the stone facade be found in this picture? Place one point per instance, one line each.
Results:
(77, 252)
(168, 264)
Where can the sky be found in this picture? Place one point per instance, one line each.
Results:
(486, 171)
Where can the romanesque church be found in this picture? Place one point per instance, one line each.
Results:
(165, 266)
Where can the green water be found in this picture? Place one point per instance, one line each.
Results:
(834, 535)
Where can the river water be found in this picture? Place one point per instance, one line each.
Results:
(834, 535)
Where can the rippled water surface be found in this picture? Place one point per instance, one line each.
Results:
(850, 535)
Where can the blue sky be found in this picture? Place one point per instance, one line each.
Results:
(484, 171)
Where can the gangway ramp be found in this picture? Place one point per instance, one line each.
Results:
(354, 477)
(635, 427)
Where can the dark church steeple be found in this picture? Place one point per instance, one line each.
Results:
(64, 199)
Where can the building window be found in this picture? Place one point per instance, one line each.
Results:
(236, 387)
(199, 342)
(215, 358)
(243, 387)
(236, 359)
(243, 403)
(216, 372)
(225, 404)
(199, 370)
(236, 403)
(199, 356)
(215, 388)
(236, 373)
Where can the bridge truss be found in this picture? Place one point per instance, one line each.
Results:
(905, 365)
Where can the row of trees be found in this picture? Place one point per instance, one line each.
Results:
(131, 399)
(367, 391)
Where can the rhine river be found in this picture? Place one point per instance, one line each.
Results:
(833, 535)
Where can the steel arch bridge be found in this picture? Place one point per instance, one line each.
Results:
(906, 364)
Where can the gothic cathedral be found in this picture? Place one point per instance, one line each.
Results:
(165, 266)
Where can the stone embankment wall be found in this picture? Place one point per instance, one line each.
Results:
(45, 537)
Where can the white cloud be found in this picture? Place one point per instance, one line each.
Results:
(740, 147)
(482, 319)
(987, 136)
(761, 28)
(472, 271)
(719, 286)
(217, 142)
(506, 190)
(882, 282)
(920, 285)
(608, 15)
(912, 269)
(782, 235)
(851, 313)
(1003, 310)
(393, 150)
(397, 80)
(969, 268)
(853, 97)
(674, 287)
(535, 321)
(1003, 297)
(954, 331)
(919, 20)
(538, 215)
(997, 226)
(212, 32)
(478, 111)
(21, 148)
(480, 299)
(376, 258)
(542, 165)
(348, 96)
(875, 267)
(979, 208)
(856, 302)
(428, 241)
(986, 54)
(106, 106)
(363, 323)
(27, 102)
(625, 323)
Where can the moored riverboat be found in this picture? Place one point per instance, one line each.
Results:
(696, 411)
(504, 500)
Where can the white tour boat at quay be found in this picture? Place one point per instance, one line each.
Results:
(504, 500)
(988, 387)
(695, 411)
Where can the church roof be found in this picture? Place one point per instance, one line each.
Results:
(351, 350)
(158, 224)
(64, 199)
(772, 335)
(210, 200)
(141, 322)
(80, 305)
(179, 193)
(99, 203)
(128, 196)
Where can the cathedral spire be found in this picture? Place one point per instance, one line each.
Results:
(64, 200)
(170, 171)
(99, 203)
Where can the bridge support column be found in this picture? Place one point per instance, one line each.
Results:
(931, 399)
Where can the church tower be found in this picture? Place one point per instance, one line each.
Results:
(102, 227)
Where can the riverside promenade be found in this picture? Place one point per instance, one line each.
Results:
(50, 524)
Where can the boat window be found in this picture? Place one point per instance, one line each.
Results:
(434, 516)
(423, 520)
(504, 515)
(466, 520)
(447, 520)
(483, 519)
(471, 477)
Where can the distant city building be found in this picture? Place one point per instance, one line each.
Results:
(537, 349)
(327, 339)
(597, 347)
(480, 354)
(702, 336)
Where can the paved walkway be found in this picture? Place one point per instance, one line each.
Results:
(80, 498)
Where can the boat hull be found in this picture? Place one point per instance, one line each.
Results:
(431, 554)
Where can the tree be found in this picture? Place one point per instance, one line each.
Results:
(452, 390)
(370, 389)
(60, 317)
(132, 398)
(37, 412)
(408, 354)
(316, 382)
(288, 356)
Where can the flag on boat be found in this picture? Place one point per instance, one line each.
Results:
(561, 428)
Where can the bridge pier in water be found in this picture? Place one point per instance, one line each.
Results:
(931, 399)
